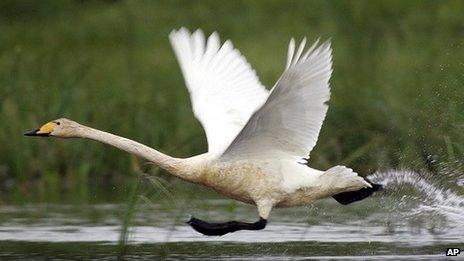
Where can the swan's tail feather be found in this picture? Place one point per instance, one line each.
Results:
(345, 179)
(353, 196)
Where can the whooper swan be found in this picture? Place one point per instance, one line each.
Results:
(258, 141)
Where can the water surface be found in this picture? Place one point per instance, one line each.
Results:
(412, 219)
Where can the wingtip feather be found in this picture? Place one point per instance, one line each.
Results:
(290, 52)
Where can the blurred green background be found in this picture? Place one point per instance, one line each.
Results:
(397, 86)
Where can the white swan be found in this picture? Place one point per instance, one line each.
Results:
(257, 140)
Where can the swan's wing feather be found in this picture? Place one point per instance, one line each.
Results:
(223, 87)
(288, 124)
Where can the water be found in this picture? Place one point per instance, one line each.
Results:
(413, 218)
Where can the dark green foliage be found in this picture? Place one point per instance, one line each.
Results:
(396, 97)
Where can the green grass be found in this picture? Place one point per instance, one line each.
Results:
(397, 85)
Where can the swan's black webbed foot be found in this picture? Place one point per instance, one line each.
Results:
(353, 196)
(219, 229)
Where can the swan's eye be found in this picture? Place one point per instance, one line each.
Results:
(58, 123)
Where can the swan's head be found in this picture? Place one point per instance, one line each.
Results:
(61, 128)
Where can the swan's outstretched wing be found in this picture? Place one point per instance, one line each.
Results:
(224, 89)
(288, 124)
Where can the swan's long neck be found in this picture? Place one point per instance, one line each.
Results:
(175, 166)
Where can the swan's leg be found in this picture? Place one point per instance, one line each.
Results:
(219, 229)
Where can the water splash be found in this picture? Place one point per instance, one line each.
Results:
(418, 195)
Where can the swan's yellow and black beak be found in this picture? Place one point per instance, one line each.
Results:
(43, 131)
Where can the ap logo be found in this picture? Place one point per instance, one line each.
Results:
(452, 251)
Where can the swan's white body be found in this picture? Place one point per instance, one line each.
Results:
(274, 183)
(257, 140)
